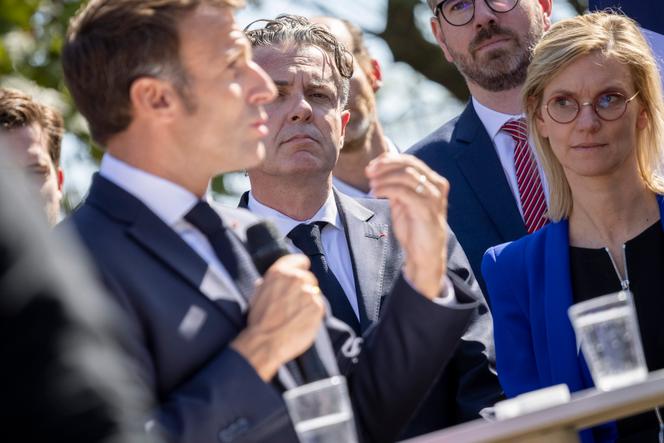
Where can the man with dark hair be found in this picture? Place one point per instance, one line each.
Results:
(469, 383)
(169, 88)
(496, 191)
(33, 133)
(367, 247)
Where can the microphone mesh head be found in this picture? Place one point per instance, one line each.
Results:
(265, 245)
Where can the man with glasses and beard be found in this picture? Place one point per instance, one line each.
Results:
(496, 193)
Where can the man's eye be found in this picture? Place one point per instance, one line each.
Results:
(459, 5)
(320, 96)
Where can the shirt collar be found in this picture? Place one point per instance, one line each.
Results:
(167, 200)
(347, 189)
(327, 213)
(492, 120)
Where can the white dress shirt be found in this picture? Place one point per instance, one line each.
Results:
(333, 238)
(170, 202)
(504, 145)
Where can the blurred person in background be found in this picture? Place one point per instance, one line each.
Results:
(364, 139)
(32, 132)
(65, 376)
(594, 104)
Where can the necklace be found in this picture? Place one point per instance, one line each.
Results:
(624, 283)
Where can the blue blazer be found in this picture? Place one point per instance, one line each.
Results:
(530, 287)
(482, 211)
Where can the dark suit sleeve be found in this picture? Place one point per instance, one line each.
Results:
(469, 383)
(473, 367)
(401, 357)
(225, 400)
(503, 269)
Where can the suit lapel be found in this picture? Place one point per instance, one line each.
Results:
(164, 243)
(479, 163)
(368, 243)
(565, 362)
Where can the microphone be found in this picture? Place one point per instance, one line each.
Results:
(265, 247)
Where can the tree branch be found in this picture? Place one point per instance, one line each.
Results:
(416, 51)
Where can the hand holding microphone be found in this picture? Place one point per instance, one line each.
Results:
(286, 311)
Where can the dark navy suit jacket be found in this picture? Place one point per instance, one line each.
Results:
(482, 211)
(530, 285)
(182, 321)
(469, 383)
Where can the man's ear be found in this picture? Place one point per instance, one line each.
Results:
(547, 7)
(376, 75)
(60, 177)
(440, 38)
(345, 118)
(154, 97)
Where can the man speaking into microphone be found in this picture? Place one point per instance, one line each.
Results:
(170, 91)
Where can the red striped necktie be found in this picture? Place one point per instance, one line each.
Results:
(528, 180)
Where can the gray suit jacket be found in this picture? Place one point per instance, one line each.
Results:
(482, 210)
(469, 382)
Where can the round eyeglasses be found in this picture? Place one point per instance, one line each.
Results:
(608, 106)
(461, 12)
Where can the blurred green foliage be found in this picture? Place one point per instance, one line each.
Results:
(32, 33)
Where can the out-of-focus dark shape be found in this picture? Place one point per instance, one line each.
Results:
(63, 377)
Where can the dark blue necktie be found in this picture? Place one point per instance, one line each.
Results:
(307, 238)
(226, 246)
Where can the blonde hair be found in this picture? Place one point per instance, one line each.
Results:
(611, 35)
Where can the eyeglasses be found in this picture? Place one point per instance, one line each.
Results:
(608, 106)
(461, 12)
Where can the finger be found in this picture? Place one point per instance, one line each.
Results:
(388, 162)
(299, 261)
(410, 192)
(408, 177)
(410, 169)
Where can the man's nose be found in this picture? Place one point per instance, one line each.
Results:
(301, 110)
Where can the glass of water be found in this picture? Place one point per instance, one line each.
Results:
(608, 331)
(321, 411)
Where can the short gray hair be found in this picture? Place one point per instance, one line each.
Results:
(298, 30)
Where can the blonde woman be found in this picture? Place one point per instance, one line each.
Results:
(594, 105)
